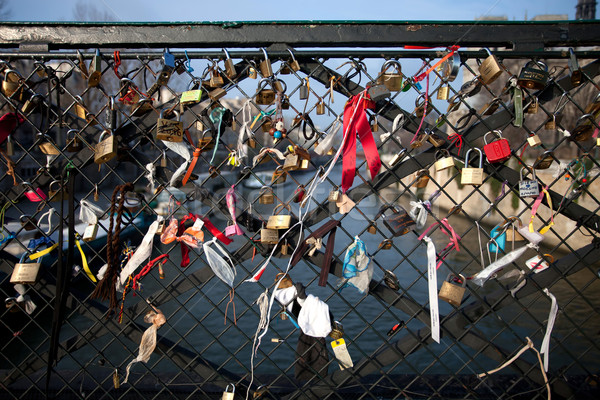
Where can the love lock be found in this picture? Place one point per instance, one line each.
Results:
(528, 187)
(534, 75)
(452, 293)
(497, 150)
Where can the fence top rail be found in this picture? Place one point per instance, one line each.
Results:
(523, 35)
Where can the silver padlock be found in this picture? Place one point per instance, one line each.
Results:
(227, 395)
(528, 187)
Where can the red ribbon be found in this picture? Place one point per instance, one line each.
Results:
(117, 57)
(185, 250)
(456, 140)
(162, 258)
(8, 123)
(356, 123)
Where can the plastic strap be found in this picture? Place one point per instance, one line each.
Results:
(42, 253)
(86, 268)
(433, 295)
(535, 207)
(545, 349)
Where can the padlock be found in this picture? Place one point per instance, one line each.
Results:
(534, 75)
(28, 222)
(443, 92)
(491, 107)
(191, 96)
(418, 141)
(434, 139)
(56, 192)
(528, 187)
(303, 90)
(284, 248)
(452, 293)
(490, 69)
(95, 70)
(269, 236)
(291, 162)
(337, 330)
(472, 176)
(252, 73)
(391, 80)
(267, 125)
(512, 233)
(544, 160)
(227, 395)
(266, 70)
(266, 196)
(279, 85)
(584, 128)
(533, 106)
(378, 92)
(285, 102)
(264, 96)
(74, 144)
(168, 129)
(279, 176)
(216, 80)
(46, 146)
(163, 159)
(320, 107)
(106, 149)
(373, 123)
(304, 156)
(91, 231)
(229, 66)
(32, 104)
(399, 222)
(443, 160)
(279, 221)
(420, 106)
(206, 142)
(497, 150)
(534, 140)
(386, 244)
(538, 264)
(576, 74)
(217, 94)
(10, 147)
(25, 273)
(166, 71)
(12, 83)
(334, 196)
(450, 67)
(34, 195)
(293, 63)
(397, 157)
(422, 178)
(372, 228)
(142, 107)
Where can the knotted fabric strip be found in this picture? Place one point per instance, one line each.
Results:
(234, 229)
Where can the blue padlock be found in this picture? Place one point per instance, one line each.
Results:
(498, 240)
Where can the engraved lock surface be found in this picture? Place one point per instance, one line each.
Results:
(168, 129)
(266, 196)
(443, 92)
(229, 394)
(490, 69)
(472, 176)
(56, 192)
(264, 96)
(534, 140)
(378, 92)
(106, 149)
(291, 162)
(452, 293)
(266, 69)
(498, 150)
(444, 160)
(269, 236)
(534, 75)
(73, 142)
(391, 80)
(25, 273)
(528, 187)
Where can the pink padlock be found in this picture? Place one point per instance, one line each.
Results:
(34, 195)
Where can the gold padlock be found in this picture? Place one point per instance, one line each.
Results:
(320, 107)
(56, 194)
(12, 83)
(423, 178)
(420, 106)
(443, 160)
(293, 63)
(397, 157)
(265, 67)
(391, 80)
(443, 91)
(279, 176)
(32, 104)
(533, 107)
(216, 80)
(512, 234)
(25, 273)
(372, 229)
(386, 244)
(334, 196)
(269, 236)
(206, 141)
(452, 293)
(491, 107)
(472, 176)
(227, 395)
(264, 97)
(266, 196)
(291, 162)
(229, 66)
(278, 221)
(74, 144)
(534, 140)
(106, 149)
(95, 70)
(267, 124)
(217, 94)
(169, 130)
(435, 140)
(46, 146)
(544, 160)
(490, 69)
(419, 141)
(374, 123)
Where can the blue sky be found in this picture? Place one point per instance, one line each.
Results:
(246, 10)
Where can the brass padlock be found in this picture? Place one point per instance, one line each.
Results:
(443, 91)
(284, 248)
(264, 96)
(278, 221)
(206, 142)
(434, 139)
(391, 80)
(217, 94)
(57, 193)
(576, 74)
(534, 75)
(266, 196)
(386, 244)
(227, 395)
(491, 107)
(397, 157)
(337, 330)
(74, 144)
(266, 70)
(320, 107)
(544, 160)
(419, 141)
(304, 156)
(95, 70)
(251, 142)
(216, 80)
(32, 104)
(168, 129)
(279, 86)
(11, 84)
(490, 69)
(452, 293)
(420, 106)
(472, 176)
(291, 162)
(106, 149)
(252, 73)
(584, 128)
(267, 124)
(533, 106)
(512, 234)
(443, 160)
(422, 178)
(534, 140)
(279, 176)
(374, 124)
(285, 102)
(372, 228)
(269, 236)
(229, 66)
(552, 121)
(142, 107)
(334, 196)
(91, 231)
(25, 273)
(46, 146)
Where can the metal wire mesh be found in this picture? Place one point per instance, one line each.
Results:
(198, 354)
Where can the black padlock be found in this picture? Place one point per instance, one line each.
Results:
(534, 75)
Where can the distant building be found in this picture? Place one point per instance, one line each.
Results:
(550, 17)
(585, 9)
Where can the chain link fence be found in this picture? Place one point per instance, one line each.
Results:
(488, 181)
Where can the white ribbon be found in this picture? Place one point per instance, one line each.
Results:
(418, 212)
(181, 149)
(545, 349)
(398, 123)
(143, 252)
(225, 271)
(433, 294)
(327, 142)
(497, 265)
(264, 152)
(150, 172)
(24, 299)
(245, 131)
(48, 214)
(90, 213)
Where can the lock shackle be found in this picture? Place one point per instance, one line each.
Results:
(292, 54)
(459, 276)
(386, 65)
(584, 117)
(79, 100)
(528, 170)
(494, 132)
(12, 71)
(538, 63)
(417, 100)
(441, 153)
(162, 111)
(511, 220)
(72, 130)
(265, 53)
(487, 50)
(24, 256)
(204, 132)
(264, 189)
(227, 388)
(550, 256)
(54, 182)
(43, 137)
(227, 57)
(262, 84)
(480, 157)
(450, 67)
(283, 206)
(104, 132)
(111, 104)
(193, 82)
(282, 82)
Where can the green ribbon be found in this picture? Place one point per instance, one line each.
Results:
(518, 101)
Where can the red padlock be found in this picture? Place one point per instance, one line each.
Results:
(498, 150)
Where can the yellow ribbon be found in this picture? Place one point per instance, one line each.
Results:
(547, 227)
(42, 253)
(86, 268)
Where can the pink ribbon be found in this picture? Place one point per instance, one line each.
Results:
(232, 230)
(448, 231)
